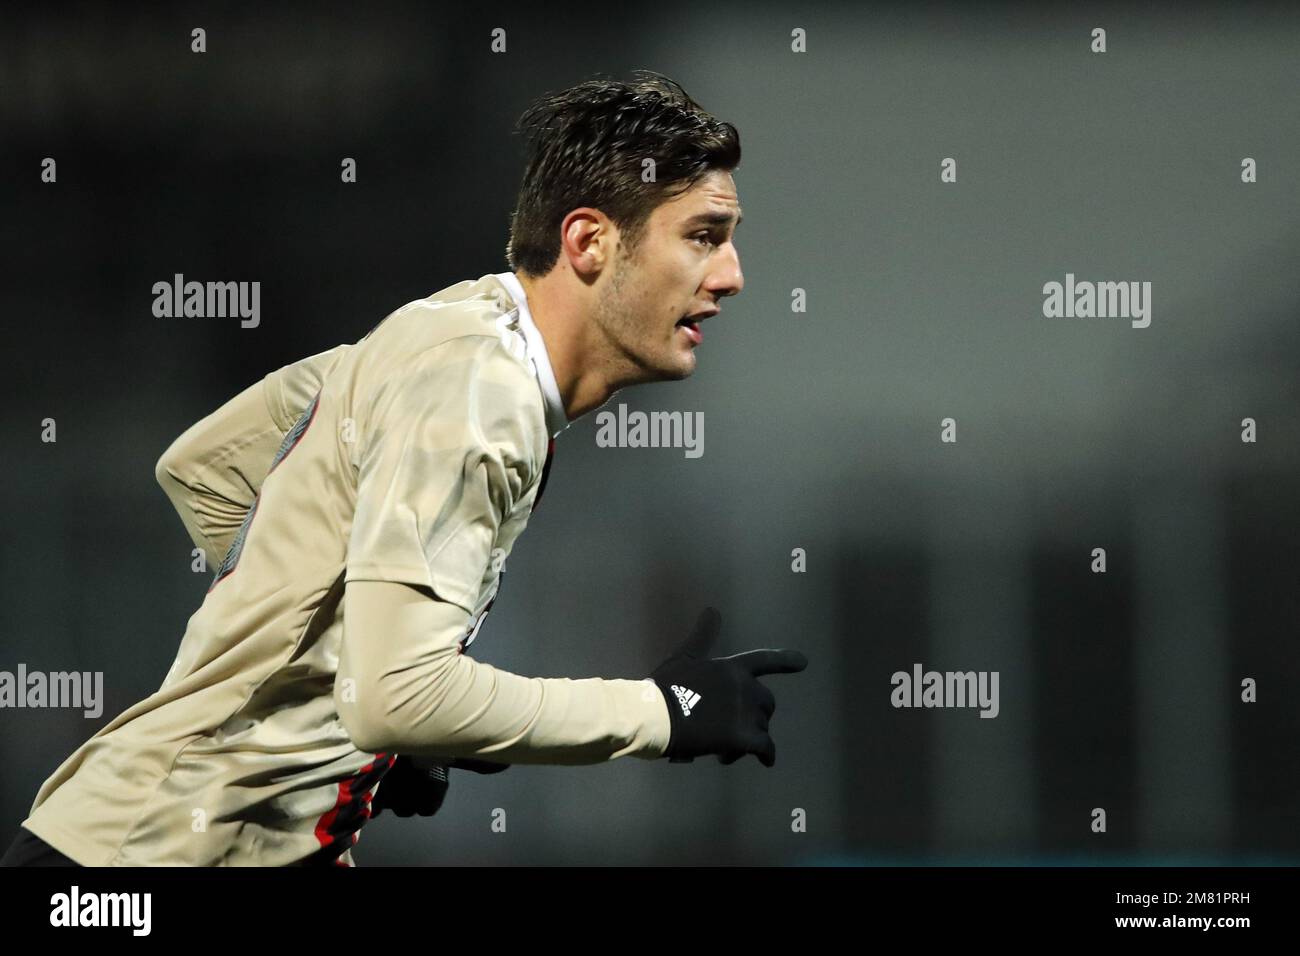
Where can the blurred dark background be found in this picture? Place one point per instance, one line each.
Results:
(1118, 690)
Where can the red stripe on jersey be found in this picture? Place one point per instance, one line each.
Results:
(352, 805)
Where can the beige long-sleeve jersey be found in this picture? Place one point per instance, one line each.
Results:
(361, 504)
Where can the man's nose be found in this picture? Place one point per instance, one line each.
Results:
(726, 278)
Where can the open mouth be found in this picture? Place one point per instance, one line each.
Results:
(692, 329)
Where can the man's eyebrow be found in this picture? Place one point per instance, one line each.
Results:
(715, 218)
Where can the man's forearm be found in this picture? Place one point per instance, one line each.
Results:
(403, 685)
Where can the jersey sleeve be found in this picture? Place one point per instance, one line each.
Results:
(289, 390)
(449, 446)
(403, 685)
(214, 471)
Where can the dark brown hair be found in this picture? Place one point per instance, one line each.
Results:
(586, 147)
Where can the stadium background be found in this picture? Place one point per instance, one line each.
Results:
(821, 430)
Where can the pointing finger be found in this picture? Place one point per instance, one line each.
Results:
(770, 661)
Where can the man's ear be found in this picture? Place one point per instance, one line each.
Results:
(588, 242)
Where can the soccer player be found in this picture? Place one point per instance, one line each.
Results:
(363, 501)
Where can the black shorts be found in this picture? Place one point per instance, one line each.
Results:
(31, 850)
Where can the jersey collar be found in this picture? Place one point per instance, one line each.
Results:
(556, 419)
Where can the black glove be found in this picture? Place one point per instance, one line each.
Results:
(419, 785)
(409, 788)
(716, 705)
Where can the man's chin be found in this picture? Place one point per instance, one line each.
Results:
(672, 366)
(683, 366)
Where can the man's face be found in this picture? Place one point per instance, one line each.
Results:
(685, 262)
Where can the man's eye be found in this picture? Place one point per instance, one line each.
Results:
(708, 240)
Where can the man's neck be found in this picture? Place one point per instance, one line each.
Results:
(573, 345)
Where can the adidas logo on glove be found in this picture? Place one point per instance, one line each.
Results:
(686, 697)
